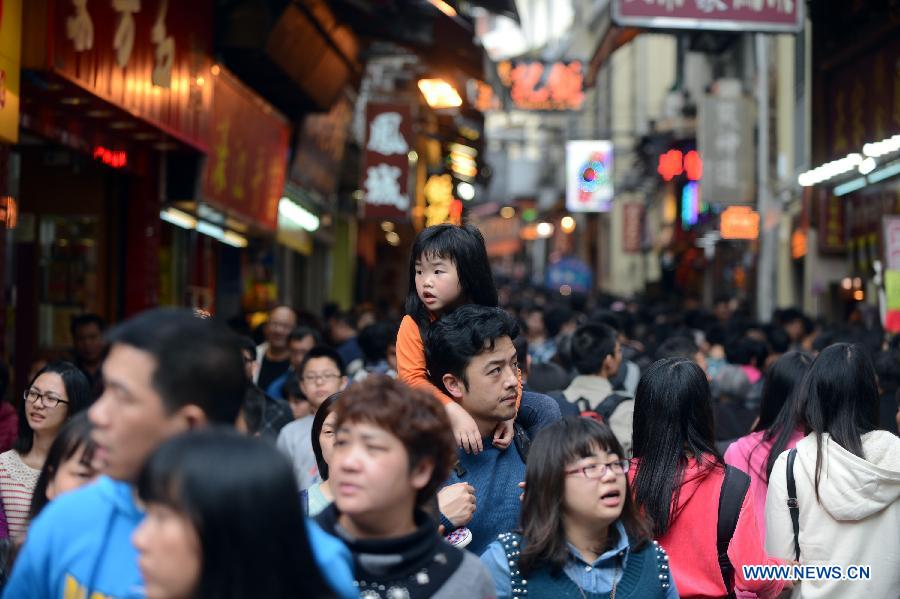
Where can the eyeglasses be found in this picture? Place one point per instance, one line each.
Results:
(595, 471)
(47, 400)
(320, 378)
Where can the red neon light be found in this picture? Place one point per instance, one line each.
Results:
(670, 164)
(693, 165)
(113, 158)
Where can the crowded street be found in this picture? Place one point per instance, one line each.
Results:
(450, 299)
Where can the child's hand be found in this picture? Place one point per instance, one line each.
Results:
(465, 431)
(503, 434)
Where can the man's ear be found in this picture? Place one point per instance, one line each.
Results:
(421, 473)
(191, 417)
(454, 386)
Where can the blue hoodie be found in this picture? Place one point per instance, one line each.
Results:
(80, 546)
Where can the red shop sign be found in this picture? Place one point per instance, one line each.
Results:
(723, 15)
(149, 57)
(385, 176)
(245, 169)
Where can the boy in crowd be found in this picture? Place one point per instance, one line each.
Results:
(321, 375)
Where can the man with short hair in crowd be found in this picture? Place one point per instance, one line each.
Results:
(167, 372)
(321, 375)
(343, 333)
(273, 356)
(393, 448)
(300, 341)
(597, 356)
(471, 357)
(88, 347)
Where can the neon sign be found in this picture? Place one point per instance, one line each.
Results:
(112, 158)
(670, 164)
(675, 162)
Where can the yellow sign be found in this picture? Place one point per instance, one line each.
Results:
(10, 56)
(439, 195)
(739, 222)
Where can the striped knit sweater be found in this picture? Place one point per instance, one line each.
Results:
(17, 482)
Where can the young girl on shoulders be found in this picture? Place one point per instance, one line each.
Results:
(448, 268)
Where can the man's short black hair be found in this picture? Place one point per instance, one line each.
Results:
(85, 319)
(521, 345)
(678, 346)
(302, 332)
(374, 341)
(591, 344)
(198, 361)
(323, 351)
(253, 407)
(458, 337)
(555, 317)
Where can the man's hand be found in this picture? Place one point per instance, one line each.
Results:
(465, 431)
(457, 503)
(503, 434)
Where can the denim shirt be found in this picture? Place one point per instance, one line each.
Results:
(594, 577)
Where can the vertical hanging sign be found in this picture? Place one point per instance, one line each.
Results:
(385, 176)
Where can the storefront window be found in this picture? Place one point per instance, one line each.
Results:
(69, 274)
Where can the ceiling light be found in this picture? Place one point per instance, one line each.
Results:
(439, 94)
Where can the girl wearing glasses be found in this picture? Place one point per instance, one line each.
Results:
(58, 391)
(581, 535)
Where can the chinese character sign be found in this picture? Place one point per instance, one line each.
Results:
(385, 176)
(245, 169)
(727, 145)
(543, 86)
(725, 15)
(589, 176)
(150, 57)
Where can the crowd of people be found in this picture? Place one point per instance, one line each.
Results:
(487, 441)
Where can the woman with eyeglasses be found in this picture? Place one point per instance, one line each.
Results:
(580, 533)
(58, 391)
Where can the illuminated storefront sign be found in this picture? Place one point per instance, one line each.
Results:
(589, 176)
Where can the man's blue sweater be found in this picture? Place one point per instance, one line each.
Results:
(495, 474)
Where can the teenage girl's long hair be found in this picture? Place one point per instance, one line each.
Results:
(778, 416)
(464, 246)
(839, 396)
(556, 446)
(673, 421)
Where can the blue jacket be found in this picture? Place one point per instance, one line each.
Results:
(81, 544)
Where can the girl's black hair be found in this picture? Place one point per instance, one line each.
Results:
(322, 413)
(839, 396)
(74, 436)
(78, 394)
(464, 246)
(242, 498)
(673, 421)
(554, 448)
(778, 415)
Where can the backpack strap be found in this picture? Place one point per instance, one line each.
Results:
(793, 506)
(608, 406)
(731, 498)
(522, 441)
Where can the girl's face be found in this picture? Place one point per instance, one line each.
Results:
(71, 475)
(592, 497)
(326, 437)
(169, 553)
(46, 405)
(437, 282)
